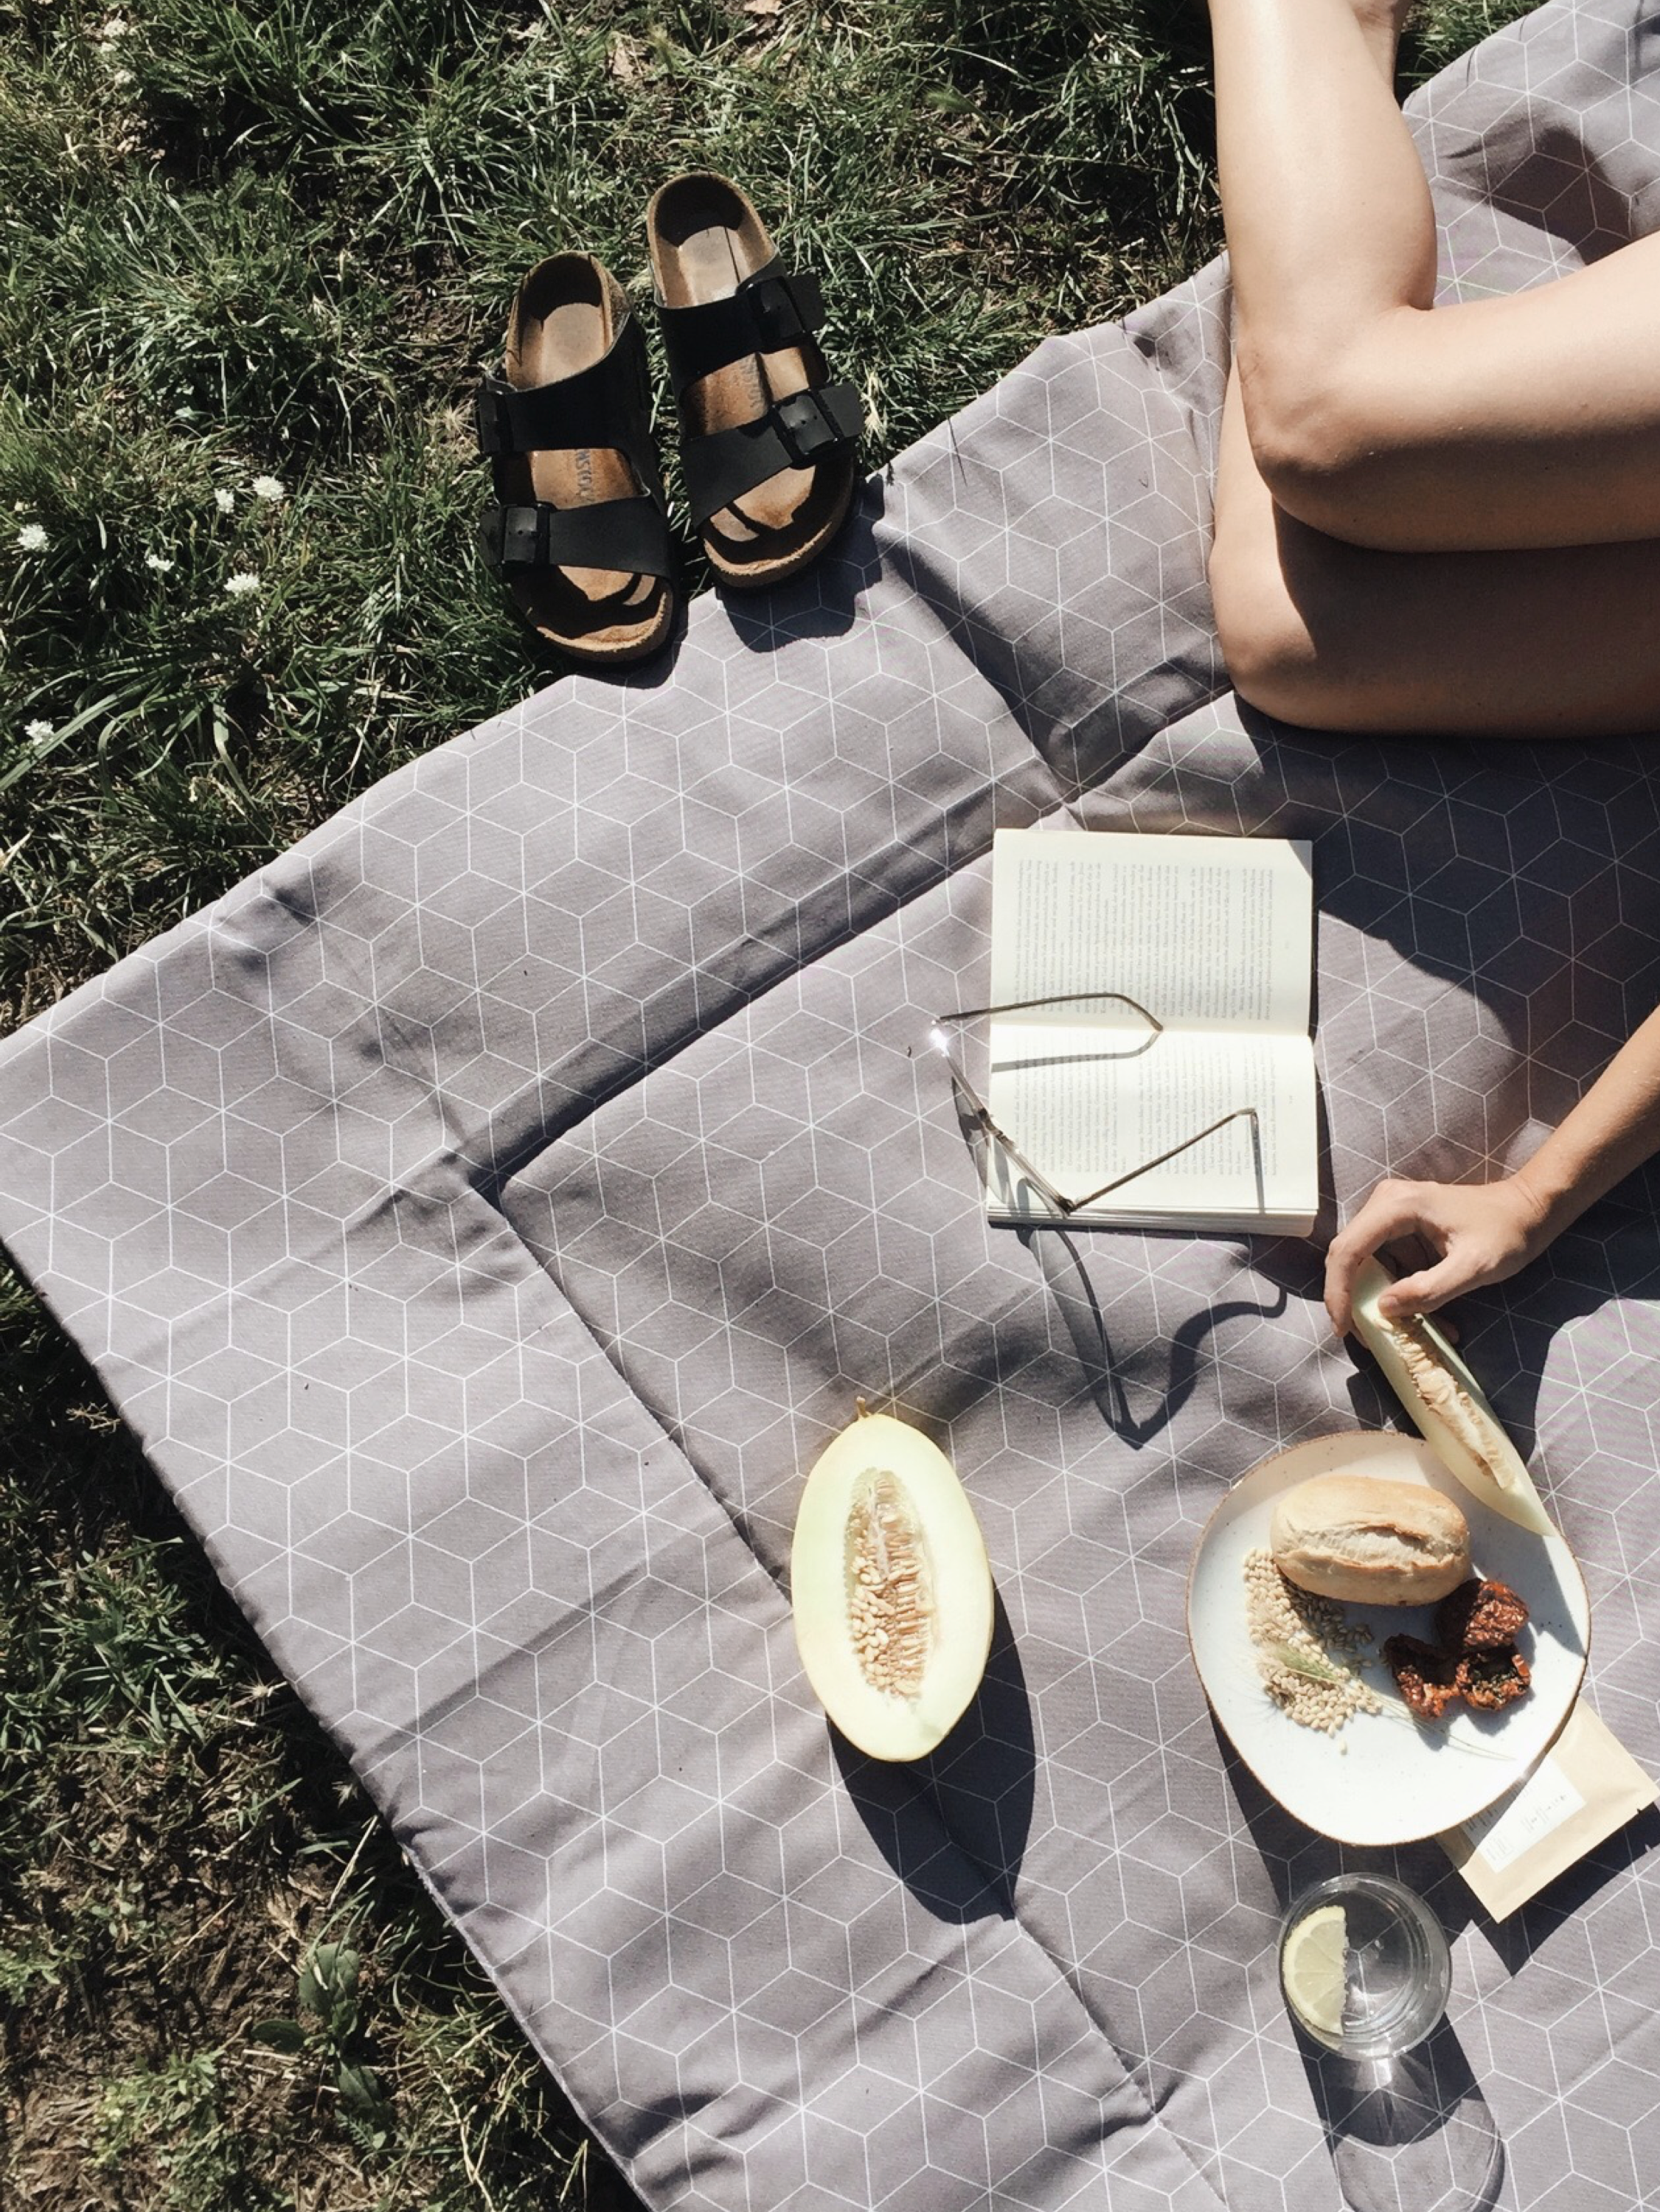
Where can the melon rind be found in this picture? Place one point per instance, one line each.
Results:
(1499, 1476)
(881, 1724)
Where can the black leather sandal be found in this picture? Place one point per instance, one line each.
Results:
(579, 527)
(767, 441)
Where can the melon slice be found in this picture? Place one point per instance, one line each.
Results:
(1448, 1406)
(891, 1587)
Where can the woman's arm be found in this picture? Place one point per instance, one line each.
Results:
(1486, 1232)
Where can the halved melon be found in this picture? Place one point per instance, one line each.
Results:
(890, 1588)
(1448, 1406)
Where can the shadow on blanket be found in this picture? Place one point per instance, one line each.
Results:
(1416, 2130)
(953, 1827)
(1062, 1263)
(824, 602)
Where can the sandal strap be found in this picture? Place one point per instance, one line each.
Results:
(631, 536)
(721, 465)
(608, 405)
(770, 310)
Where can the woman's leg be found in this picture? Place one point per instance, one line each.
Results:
(1563, 643)
(1342, 635)
(1525, 422)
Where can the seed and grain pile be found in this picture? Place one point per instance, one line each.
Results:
(1304, 1644)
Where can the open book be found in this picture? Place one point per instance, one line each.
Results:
(1215, 938)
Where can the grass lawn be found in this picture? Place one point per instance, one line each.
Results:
(255, 253)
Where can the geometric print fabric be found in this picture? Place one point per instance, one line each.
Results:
(484, 1214)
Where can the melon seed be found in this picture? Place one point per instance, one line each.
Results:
(890, 1585)
(1443, 1394)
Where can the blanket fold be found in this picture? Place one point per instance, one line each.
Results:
(484, 1214)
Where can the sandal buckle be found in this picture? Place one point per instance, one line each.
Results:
(804, 427)
(784, 310)
(524, 537)
(491, 421)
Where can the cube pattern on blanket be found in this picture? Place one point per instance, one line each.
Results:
(484, 1214)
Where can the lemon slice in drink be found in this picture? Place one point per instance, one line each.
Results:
(1312, 1967)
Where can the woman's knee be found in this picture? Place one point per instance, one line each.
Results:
(1324, 440)
(1316, 460)
(1271, 658)
(1310, 663)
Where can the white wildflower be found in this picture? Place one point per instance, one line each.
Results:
(269, 487)
(113, 27)
(242, 584)
(159, 561)
(224, 501)
(121, 76)
(39, 730)
(32, 538)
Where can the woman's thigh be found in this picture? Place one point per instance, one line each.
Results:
(1555, 643)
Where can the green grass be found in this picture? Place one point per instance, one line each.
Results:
(280, 241)
(250, 240)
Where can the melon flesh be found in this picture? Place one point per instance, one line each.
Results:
(1448, 1405)
(890, 1588)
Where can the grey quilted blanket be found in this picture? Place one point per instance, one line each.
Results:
(485, 1213)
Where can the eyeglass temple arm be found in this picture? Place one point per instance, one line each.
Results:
(1238, 1113)
(1054, 998)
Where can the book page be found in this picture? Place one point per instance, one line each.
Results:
(1084, 1111)
(1202, 931)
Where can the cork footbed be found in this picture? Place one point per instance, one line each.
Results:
(568, 311)
(705, 239)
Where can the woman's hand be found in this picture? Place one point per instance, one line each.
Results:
(1482, 1232)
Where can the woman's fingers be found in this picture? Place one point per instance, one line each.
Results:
(1480, 1234)
(1430, 1290)
(1395, 1210)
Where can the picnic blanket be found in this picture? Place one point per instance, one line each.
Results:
(484, 1214)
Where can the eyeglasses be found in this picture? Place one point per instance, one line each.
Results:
(983, 1120)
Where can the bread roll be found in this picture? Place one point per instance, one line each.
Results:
(1369, 1540)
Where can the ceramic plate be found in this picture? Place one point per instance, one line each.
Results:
(1384, 1779)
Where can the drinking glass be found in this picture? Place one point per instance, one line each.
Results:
(1397, 1970)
